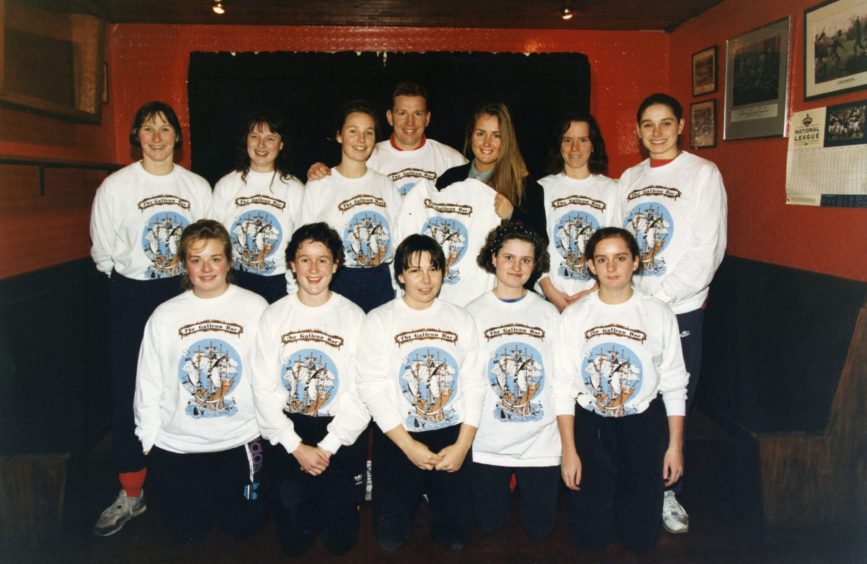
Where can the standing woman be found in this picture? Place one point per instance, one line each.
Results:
(518, 429)
(620, 351)
(360, 205)
(136, 222)
(194, 408)
(674, 203)
(579, 199)
(259, 203)
(497, 162)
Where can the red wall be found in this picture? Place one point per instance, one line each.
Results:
(761, 226)
(149, 61)
(61, 214)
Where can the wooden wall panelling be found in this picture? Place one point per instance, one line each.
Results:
(821, 479)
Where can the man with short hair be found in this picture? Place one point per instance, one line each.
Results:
(407, 155)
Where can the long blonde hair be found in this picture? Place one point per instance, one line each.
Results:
(510, 169)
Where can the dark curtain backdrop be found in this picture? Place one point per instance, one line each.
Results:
(310, 87)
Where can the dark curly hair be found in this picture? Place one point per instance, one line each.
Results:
(319, 232)
(498, 236)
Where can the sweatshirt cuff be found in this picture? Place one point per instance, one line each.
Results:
(564, 406)
(662, 296)
(291, 441)
(674, 406)
(330, 443)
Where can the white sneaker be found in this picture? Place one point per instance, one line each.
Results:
(118, 513)
(674, 517)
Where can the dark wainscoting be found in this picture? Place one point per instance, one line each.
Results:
(785, 373)
(54, 391)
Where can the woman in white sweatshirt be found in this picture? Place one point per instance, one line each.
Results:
(193, 405)
(259, 204)
(518, 429)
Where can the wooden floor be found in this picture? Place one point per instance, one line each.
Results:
(720, 532)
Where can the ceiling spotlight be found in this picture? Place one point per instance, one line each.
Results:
(566, 13)
(218, 8)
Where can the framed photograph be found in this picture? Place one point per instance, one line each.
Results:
(756, 84)
(835, 58)
(702, 124)
(66, 44)
(704, 71)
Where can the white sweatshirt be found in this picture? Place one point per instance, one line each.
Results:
(459, 217)
(618, 358)
(260, 215)
(677, 212)
(193, 391)
(304, 363)
(575, 209)
(137, 219)
(406, 168)
(362, 210)
(519, 424)
(422, 369)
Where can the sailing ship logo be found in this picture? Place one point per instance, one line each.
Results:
(428, 379)
(210, 370)
(653, 229)
(367, 240)
(516, 374)
(256, 236)
(311, 379)
(612, 373)
(452, 237)
(570, 235)
(160, 240)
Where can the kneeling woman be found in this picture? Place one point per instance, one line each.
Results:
(518, 430)
(307, 402)
(193, 406)
(620, 349)
(420, 375)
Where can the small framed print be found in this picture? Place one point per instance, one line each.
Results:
(835, 58)
(702, 124)
(704, 77)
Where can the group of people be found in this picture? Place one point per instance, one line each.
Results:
(497, 330)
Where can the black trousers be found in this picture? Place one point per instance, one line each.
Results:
(367, 288)
(306, 505)
(621, 483)
(691, 326)
(195, 488)
(130, 304)
(272, 288)
(398, 486)
(492, 499)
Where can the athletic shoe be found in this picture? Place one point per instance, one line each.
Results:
(674, 517)
(118, 513)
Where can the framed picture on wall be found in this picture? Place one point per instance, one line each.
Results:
(52, 58)
(756, 84)
(704, 71)
(702, 124)
(835, 58)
